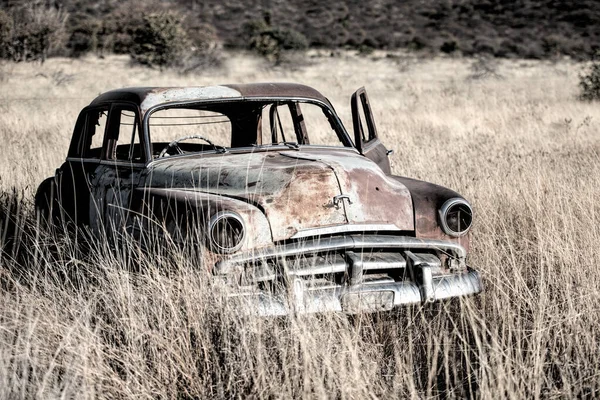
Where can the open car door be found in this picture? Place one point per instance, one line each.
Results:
(366, 140)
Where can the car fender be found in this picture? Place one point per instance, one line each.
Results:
(46, 202)
(428, 198)
(185, 212)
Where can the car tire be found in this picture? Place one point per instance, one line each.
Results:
(47, 208)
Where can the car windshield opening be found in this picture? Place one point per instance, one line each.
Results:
(221, 126)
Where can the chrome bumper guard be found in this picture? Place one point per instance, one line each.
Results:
(366, 286)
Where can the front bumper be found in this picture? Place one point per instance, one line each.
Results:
(351, 273)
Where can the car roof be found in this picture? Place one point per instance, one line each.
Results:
(148, 97)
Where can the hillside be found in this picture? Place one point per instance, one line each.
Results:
(520, 28)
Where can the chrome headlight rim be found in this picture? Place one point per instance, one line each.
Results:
(446, 207)
(214, 220)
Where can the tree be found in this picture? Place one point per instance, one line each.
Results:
(160, 40)
(32, 32)
(270, 41)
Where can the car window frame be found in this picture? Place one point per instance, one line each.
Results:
(119, 105)
(79, 138)
(329, 111)
(78, 148)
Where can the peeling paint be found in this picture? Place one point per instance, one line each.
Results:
(171, 95)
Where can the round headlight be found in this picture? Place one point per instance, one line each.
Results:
(456, 216)
(226, 232)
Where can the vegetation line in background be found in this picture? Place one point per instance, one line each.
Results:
(187, 34)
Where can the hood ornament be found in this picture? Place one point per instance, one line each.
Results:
(340, 198)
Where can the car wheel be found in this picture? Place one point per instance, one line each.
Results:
(47, 208)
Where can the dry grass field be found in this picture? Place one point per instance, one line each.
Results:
(514, 140)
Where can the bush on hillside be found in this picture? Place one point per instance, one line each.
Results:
(160, 40)
(166, 39)
(449, 46)
(589, 82)
(202, 37)
(270, 42)
(204, 51)
(32, 32)
(83, 34)
(117, 33)
(6, 27)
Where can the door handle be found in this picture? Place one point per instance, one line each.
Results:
(389, 152)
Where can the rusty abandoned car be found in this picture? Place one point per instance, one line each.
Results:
(297, 215)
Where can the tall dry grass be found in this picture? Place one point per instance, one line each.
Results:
(115, 323)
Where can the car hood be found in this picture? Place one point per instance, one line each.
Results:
(296, 189)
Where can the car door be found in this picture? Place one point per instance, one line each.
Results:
(77, 176)
(365, 131)
(122, 166)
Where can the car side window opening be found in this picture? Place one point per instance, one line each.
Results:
(278, 125)
(319, 126)
(123, 138)
(300, 122)
(92, 134)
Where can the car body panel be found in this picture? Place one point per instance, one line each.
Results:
(148, 97)
(187, 212)
(365, 131)
(295, 189)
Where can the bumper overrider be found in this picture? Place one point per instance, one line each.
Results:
(350, 273)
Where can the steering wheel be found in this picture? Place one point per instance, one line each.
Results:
(175, 144)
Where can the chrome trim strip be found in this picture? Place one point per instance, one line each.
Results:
(334, 299)
(345, 229)
(348, 242)
(457, 285)
(105, 162)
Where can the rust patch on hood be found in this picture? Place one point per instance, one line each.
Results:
(373, 197)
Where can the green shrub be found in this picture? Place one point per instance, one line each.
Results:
(202, 37)
(589, 82)
(160, 40)
(6, 27)
(449, 46)
(365, 50)
(290, 39)
(83, 34)
(418, 43)
(270, 41)
(116, 33)
(204, 52)
(32, 32)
